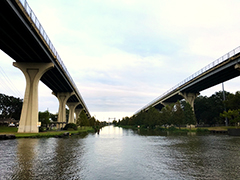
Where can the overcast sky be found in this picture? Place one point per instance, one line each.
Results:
(122, 54)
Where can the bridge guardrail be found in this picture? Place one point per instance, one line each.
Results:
(198, 73)
(47, 40)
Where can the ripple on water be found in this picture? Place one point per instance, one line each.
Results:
(121, 154)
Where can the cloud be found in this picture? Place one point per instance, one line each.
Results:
(123, 54)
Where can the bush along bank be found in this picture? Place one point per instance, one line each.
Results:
(167, 129)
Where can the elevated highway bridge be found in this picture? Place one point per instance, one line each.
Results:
(221, 70)
(23, 38)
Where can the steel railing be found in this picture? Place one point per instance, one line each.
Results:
(198, 73)
(38, 25)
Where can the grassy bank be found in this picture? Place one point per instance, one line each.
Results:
(13, 130)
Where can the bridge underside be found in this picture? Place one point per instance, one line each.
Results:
(221, 73)
(21, 41)
(25, 41)
(218, 75)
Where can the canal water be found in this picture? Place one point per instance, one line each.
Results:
(121, 154)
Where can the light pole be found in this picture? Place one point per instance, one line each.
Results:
(224, 98)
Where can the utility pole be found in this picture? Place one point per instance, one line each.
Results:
(224, 98)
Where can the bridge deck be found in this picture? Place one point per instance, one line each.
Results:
(24, 40)
(219, 71)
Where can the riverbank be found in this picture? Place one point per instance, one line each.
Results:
(13, 131)
(222, 129)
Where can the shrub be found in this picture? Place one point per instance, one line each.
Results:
(202, 130)
(70, 126)
(172, 128)
(159, 128)
(41, 129)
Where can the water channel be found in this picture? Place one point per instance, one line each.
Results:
(121, 154)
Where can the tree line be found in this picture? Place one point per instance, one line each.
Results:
(174, 114)
(207, 111)
(82, 120)
(10, 107)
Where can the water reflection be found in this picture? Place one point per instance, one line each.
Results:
(41, 158)
(25, 159)
(116, 153)
(68, 158)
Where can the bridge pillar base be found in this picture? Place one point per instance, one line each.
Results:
(189, 97)
(62, 98)
(29, 115)
(72, 106)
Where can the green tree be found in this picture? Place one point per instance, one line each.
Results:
(130, 121)
(167, 115)
(10, 107)
(201, 106)
(44, 118)
(178, 115)
(92, 121)
(232, 115)
(53, 116)
(82, 119)
(98, 123)
(189, 117)
(232, 101)
(217, 106)
(140, 118)
(151, 118)
(161, 119)
(114, 122)
(207, 110)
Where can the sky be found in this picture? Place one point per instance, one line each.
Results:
(122, 54)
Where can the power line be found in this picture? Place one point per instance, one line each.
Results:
(9, 83)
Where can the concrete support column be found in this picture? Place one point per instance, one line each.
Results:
(62, 98)
(77, 112)
(72, 106)
(189, 97)
(29, 115)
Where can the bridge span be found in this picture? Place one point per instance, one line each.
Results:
(23, 38)
(221, 70)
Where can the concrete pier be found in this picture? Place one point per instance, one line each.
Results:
(189, 97)
(62, 98)
(72, 106)
(29, 115)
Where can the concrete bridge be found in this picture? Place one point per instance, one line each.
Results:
(222, 69)
(23, 38)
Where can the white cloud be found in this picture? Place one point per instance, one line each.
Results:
(123, 54)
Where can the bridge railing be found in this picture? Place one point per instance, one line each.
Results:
(47, 40)
(198, 73)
